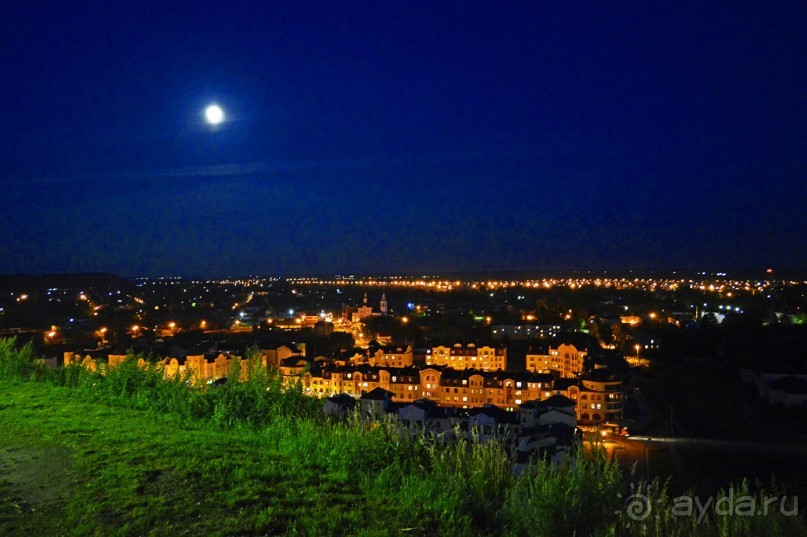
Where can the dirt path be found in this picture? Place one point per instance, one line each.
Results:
(33, 479)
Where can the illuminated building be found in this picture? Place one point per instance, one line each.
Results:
(565, 360)
(468, 356)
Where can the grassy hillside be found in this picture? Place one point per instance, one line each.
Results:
(78, 467)
(130, 453)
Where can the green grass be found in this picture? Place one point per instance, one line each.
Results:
(127, 452)
(119, 471)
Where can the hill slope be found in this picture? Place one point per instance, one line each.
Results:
(69, 466)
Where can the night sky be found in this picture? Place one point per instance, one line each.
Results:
(402, 137)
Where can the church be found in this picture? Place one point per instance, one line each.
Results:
(365, 310)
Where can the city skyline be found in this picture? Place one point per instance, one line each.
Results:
(402, 138)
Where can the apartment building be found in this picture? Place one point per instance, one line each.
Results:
(470, 356)
(392, 356)
(597, 396)
(566, 360)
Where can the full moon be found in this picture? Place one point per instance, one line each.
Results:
(214, 114)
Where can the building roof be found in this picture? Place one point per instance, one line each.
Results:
(601, 375)
(470, 345)
(563, 433)
(293, 361)
(427, 405)
(378, 394)
(557, 401)
(498, 414)
(342, 399)
(581, 341)
(395, 349)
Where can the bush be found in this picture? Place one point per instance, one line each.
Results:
(19, 364)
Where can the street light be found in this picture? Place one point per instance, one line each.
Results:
(638, 348)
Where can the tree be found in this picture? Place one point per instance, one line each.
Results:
(617, 334)
(594, 330)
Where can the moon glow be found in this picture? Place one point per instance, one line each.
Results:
(214, 114)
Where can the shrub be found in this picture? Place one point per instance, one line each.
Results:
(19, 364)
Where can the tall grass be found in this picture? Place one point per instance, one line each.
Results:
(255, 401)
(564, 500)
(430, 487)
(19, 363)
(466, 483)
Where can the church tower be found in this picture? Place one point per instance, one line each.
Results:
(383, 305)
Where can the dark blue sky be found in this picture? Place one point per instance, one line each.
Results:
(402, 136)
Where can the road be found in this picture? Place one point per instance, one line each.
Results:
(772, 448)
